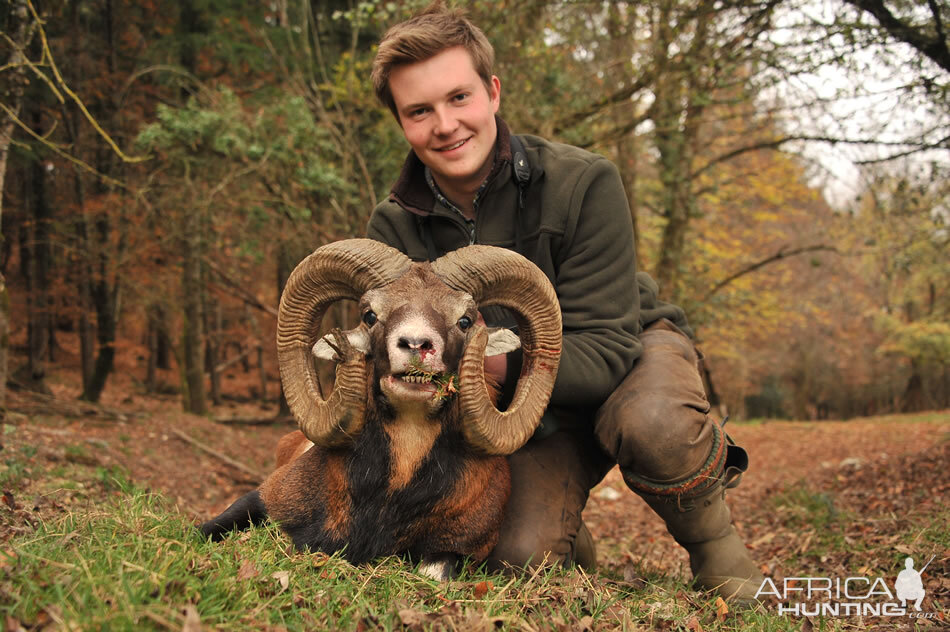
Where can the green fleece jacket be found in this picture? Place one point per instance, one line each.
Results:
(575, 226)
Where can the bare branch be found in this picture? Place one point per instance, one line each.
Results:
(778, 256)
(239, 290)
(933, 47)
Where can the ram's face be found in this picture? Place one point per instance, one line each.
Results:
(416, 332)
(417, 328)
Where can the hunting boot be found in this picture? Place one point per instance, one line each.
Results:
(585, 551)
(718, 559)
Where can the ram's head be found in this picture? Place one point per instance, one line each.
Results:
(419, 339)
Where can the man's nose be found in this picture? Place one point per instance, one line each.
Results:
(446, 122)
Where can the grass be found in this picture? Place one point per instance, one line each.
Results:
(135, 563)
(108, 555)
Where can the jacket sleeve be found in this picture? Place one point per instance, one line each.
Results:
(597, 289)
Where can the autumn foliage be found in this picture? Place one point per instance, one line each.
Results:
(260, 140)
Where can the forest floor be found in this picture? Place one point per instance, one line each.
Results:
(821, 499)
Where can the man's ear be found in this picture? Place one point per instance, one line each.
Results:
(358, 337)
(494, 93)
(501, 340)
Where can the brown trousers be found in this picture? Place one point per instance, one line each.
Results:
(655, 426)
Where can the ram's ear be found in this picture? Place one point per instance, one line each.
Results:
(359, 340)
(501, 340)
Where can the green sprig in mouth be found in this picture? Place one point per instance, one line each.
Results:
(446, 383)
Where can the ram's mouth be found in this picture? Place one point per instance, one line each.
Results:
(439, 385)
(416, 378)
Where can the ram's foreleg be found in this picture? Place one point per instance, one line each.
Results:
(441, 567)
(245, 511)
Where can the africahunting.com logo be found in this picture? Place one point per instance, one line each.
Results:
(851, 596)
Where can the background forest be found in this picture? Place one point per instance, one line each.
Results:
(167, 164)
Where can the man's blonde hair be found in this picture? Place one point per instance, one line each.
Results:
(425, 35)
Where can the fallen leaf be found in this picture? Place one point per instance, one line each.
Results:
(631, 576)
(765, 539)
(584, 625)
(320, 558)
(247, 570)
(13, 625)
(284, 578)
(722, 608)
(482, 588)
(412, 617)
(694, 625)
(8, 557)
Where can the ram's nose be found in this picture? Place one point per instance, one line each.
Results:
(415, 345)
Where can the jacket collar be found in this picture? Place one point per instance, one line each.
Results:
(412, 192)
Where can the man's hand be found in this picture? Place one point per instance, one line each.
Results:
(496, 366)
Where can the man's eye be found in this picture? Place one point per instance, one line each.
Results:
(370, 318)
(460, 97)
(464, 323)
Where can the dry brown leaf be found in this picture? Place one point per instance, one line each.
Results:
(584, 625)
(284, 578)
(8, 557)
(631, 576)
(247, 570)
(13, 625)
(722, 608)
(482, 588)
(412, 617)
(320, 558)
(9, 501)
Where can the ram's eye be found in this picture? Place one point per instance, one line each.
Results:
(370, 318)
(464, 323)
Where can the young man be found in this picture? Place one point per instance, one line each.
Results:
(628, 390)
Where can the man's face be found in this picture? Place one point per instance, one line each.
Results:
(448, 116)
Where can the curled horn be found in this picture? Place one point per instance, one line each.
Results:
(495, 276)
(341, 270)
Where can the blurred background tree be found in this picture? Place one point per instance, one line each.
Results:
(810, 297)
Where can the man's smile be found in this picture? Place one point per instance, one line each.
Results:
(452, 146)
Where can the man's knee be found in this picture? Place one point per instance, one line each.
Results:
(655, 436)
(655, 422)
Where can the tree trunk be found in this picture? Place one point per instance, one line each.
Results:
(82, 268)
(38, 270)
(106, 283)
(158, 342)
(106, 325)
(151, 373)
(87, 331)
(213, 349)
(18, 28)
(191, 337)
(914, 398)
